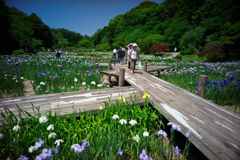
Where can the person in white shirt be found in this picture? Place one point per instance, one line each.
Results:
(114, 56)
(134, 56)
(175, 49)
(130, 48)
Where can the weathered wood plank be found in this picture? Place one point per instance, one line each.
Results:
(65, 103)
(215, 131)
(154, 68)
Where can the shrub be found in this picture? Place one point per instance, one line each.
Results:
(150, 40)
(214, 51)
(159, 48)
(192, 40)
(18, 52)
(85, 43)
(103, 47)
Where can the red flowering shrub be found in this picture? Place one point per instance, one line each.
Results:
(159, 48)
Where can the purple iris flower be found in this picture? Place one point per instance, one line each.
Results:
(225, 82)
(143, 156)
(39, 143)
(22, 157)
(45, 155)
(78, 148)
(177, 151)
(120, 152)
(85, 143)
(162, 133)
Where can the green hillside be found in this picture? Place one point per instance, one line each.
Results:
(210, 27)
(28, 33)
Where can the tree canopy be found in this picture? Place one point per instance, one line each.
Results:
(186, 24)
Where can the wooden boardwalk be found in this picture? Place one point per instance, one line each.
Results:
(65, 103)
(214, 131)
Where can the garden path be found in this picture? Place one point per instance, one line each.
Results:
(214, 131)
(65, 103)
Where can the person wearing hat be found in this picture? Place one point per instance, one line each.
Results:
(130, 48)
(134, 56)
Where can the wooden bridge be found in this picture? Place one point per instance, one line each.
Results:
(214, 131)
(65, 103)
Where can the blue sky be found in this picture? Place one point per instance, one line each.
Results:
(83, 16)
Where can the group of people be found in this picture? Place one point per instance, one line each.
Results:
(129, 56)
(58, 53)
(119, 55)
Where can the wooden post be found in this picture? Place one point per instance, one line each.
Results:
(145, 67)
(201, 85)
(158, 73)
(28, 88)
(121, 79)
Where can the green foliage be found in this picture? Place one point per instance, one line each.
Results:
(18, 52)
(28, 32)
(103, 47)
(149, 40)
(174, 31)
(104, 134)
(85, 43)
(60, 40)
(48, 73)
(36, 44)
(185, 24)
(186, 75)
(41, 31)
(214, 52)
(20, 28)
(64, 38)
(192, 40)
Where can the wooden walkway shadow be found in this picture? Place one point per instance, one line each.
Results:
(214, 131)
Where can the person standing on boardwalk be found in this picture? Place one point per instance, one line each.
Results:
(121, 53)
(114, 56)
(134, 56)
(124, 53)
(130, 48)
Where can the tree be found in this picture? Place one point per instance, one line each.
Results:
(20, 29)
(85, 43)
(103, 47)
(192, 41)
(60, 41)
(5, 38)
(72, 38)
(41, 31)
(150, 40)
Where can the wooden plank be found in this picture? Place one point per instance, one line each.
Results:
(214, 131)
(110, 73)
(65, 103)
(154, 68)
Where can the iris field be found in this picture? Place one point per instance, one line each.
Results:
(121, 130)
(222, 87)
(48, 74)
